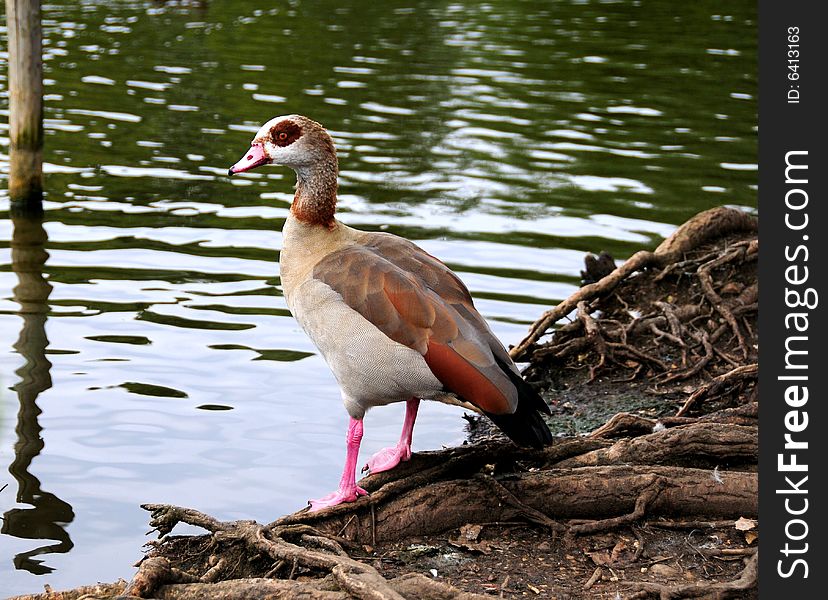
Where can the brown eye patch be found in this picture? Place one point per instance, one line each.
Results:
(285, 133)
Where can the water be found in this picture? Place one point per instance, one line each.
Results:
(151, 357)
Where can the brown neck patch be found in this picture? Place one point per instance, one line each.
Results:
(316, 183)
(284, 133)
(315, 199)
(314, 212)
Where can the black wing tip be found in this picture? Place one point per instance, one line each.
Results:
(525, 426)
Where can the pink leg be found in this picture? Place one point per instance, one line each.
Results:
(388, 458)
(348, 490)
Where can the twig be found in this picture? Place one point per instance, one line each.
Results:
(720, 305)
(345, 526)
(644, 500)
(747, 580)
(596, 575)
(737, 375)
(361, 580)
(667, 524)
(532, 515)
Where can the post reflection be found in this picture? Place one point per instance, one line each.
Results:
(48, 515)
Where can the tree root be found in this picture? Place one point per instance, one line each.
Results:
(101, 590)
(527, 512)
(628, 424)
(426, 468)
(534, 489)
(696, 443)
(642, 503)
(249, 589)
(412, 586)
(691, 524)
(616, 495)
(718, 303)
(152, 574)
(639, 260)
(576, 479)
(573, 493)
(747, 580)
(357, 579)
(624, 423)
(703, 227)
(719, 385)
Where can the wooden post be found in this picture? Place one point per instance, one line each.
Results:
(25, 72)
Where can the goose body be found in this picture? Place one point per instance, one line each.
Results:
(371, 368)
(393, 323)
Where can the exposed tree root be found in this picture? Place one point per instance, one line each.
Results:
(644, 500)
(721, 590)
(86, 592)
(720, 383)
(354, 578)
(698, 443)
(572, 493)
(690, 524)
(701, 228)
(631, 425)
(617, 495)
(412, 586)
(249, 589)
(153, 573)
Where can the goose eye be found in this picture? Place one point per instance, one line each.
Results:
(285, 133)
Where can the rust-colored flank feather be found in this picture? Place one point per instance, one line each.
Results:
(461, 377)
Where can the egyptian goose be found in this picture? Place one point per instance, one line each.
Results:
(393, 322)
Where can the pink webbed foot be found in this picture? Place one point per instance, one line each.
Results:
(337, 497)
(387, 458)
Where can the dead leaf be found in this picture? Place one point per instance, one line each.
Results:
(665, 571)
(743, 524)
(750, 537)
(604, 558)
(601, 558)
(469, 534)
(617, 550)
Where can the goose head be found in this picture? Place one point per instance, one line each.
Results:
(293, 141)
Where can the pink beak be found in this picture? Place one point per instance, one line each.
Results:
(253, 158)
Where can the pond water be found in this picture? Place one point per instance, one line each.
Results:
(146, 351)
